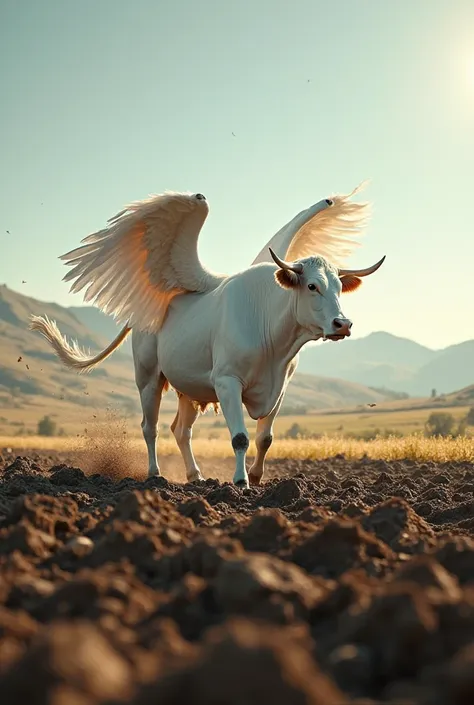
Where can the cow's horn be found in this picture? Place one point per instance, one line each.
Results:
(295, 267)
(361, 272)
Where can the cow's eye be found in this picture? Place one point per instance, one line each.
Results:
(312, 287)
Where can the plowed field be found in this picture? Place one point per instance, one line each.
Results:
(333, 582)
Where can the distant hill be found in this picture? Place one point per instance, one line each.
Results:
(376, 348)
(379, 360)
(32, 378)
(33, 382)
(311, 393)
(452, 368)
(462, 397)
(384, 360)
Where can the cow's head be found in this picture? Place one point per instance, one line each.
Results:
(318, 286)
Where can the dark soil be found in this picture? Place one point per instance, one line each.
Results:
(333, 582)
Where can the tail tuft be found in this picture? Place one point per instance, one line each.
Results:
(71, 354)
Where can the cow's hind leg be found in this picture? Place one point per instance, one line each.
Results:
(229, 393)
(150, 396)
(263, 441)
(182, 428)
(150, 382)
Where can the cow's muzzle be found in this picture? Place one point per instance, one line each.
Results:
(341, 329)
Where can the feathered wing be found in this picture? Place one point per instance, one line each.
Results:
(331, 232)
(145, 257)
(322, 229)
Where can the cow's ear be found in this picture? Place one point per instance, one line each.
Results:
(286, 278)
(350, 283)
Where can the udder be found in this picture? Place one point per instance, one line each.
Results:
(197, 389)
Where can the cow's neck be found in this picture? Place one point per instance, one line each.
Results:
(287, 337)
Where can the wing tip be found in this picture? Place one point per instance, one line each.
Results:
(360, 187)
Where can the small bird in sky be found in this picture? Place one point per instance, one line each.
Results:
(371, 404)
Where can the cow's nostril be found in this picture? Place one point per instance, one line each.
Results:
(343, 325)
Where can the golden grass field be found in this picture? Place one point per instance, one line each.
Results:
(414, 447)
(398, 434)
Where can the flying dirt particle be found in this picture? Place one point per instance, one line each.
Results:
(107, 449)
(20, 359)
(371, 405)
(27, 367)
(23, 281)
(86, 393)
(8, 232)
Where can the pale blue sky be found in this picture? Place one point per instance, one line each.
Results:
(107, 101)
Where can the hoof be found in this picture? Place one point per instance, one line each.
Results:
(254, 480)
(195, 476)
(195, 479)
(242, 484)
(154, 473)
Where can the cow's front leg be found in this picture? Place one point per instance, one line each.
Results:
(229, 393)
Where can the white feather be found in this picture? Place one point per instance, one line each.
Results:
(322, 230)
(145, 256)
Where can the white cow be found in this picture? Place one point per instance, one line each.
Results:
(216, 339)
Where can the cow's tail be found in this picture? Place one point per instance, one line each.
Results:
(71, 354)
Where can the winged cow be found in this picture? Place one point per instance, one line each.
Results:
(226, 340)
